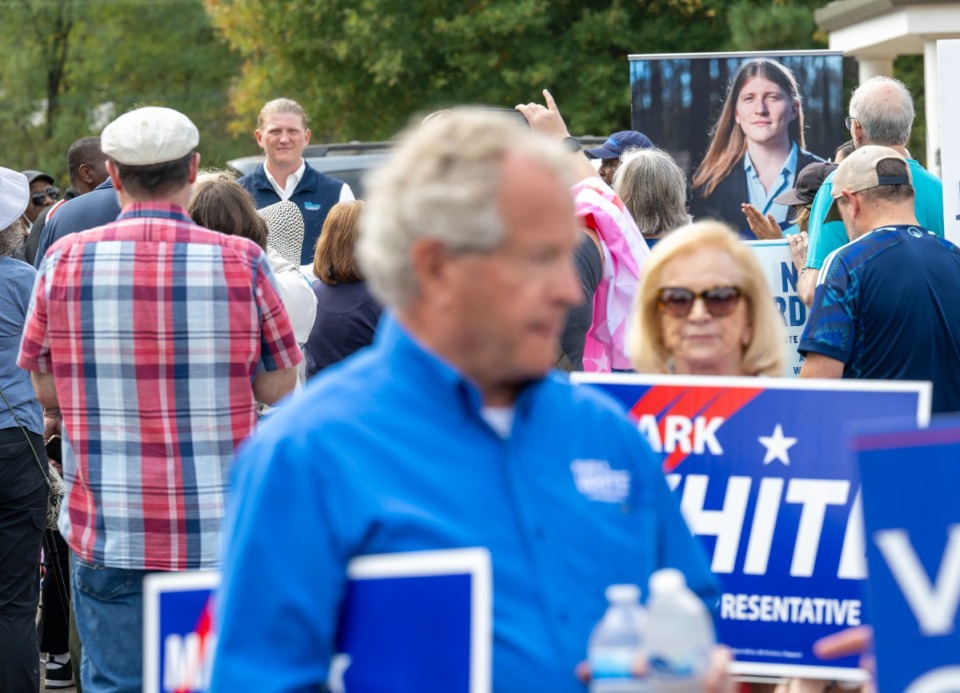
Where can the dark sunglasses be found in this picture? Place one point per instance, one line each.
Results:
(38, 197)
(678, 301)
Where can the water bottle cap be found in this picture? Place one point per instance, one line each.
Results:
(623, 593)
(667, 580)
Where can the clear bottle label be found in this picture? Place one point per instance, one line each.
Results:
(612, 663)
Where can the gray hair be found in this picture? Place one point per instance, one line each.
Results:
(884, 109)
(11, 238)
(442, 183)
(654, 189)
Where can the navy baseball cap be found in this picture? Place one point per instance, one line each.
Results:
(617, 143)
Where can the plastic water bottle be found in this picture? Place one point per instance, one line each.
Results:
(680, 635)
(615, 642)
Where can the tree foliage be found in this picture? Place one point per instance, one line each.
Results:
(362, 68)
(68, 66)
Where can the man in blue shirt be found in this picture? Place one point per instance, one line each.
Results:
(448, 433)
(881, 113)
(282, 134)
(885, 306)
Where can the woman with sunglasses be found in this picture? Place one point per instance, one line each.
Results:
(704, 308)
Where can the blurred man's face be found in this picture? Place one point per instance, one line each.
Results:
(511, 302)
(42, 194)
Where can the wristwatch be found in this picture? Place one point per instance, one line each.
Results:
(572, 143)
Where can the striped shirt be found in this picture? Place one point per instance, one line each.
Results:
(153, 328)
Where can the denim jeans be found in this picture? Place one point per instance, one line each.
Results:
(23, 515)
(109, 608)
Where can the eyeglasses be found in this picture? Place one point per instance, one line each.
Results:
(848, 122)
(678, 301)
(37, 198)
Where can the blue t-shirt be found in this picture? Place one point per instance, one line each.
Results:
(887, 307)
(389, 452)
(827, 237)
(16, 287)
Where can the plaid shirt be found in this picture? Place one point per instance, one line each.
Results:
(153, 328)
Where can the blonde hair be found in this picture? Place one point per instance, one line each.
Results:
(765, 353)
(281, 106)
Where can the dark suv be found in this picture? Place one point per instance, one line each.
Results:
(349, 162)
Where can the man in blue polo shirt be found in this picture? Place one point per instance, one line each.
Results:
(886, 303)
(448, 433)
(881, 113)
(282, 134)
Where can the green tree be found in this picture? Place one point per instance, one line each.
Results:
(68, 66)
(363, 68)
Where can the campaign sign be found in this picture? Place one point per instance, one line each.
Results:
(418, 621)
(178, 637)
(910, 484)
(777, 264)
(764, 478)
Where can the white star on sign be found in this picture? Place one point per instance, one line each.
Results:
(777, 446)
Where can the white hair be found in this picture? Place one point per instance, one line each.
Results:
(884, 109)
(442, 183)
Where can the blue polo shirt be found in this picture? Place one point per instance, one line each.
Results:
(389, 452)
(825, 237)
(887, 306)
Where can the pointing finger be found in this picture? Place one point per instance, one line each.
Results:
(548, 98)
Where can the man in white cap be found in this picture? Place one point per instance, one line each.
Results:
(155, 337)
(885, 306)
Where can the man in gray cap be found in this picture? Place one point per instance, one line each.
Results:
(43, 193)
(874, 316)
(155, 337)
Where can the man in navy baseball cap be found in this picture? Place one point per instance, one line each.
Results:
(611, 151)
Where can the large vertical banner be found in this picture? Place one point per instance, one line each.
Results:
(948, 61)
(702, 109)
(911, 481)
(765, 479)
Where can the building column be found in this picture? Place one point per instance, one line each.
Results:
(876, 67)
(931, 89)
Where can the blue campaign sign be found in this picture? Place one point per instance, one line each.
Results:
(910, 484)
(764, 478)
(178, 637)
(444, 595)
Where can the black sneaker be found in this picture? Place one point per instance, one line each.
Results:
(58, 674)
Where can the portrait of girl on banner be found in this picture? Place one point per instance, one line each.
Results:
(757, 146)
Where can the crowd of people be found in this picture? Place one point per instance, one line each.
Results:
(268, 377)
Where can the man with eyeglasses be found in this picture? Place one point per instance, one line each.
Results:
(881, 113)
(871, 319)
(43, 193)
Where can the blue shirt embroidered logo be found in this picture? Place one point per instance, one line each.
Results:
(598, 482)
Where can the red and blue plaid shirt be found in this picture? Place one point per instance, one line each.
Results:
(153, 328)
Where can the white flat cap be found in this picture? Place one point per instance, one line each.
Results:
(150, 135)
(14, 196)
